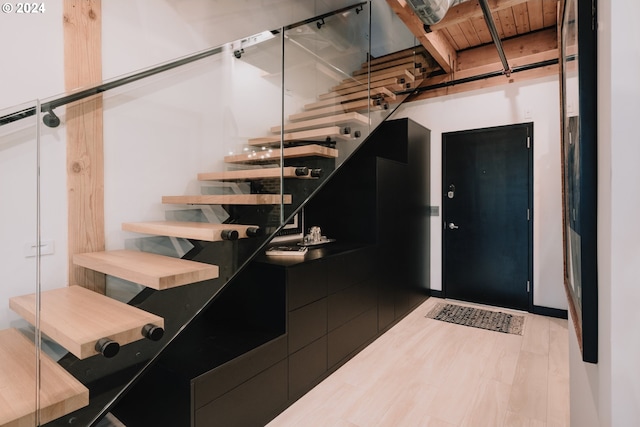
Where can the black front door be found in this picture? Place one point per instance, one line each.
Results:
(487, 213)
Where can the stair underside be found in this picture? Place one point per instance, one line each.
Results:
(76, 318)
(363, 94)
(229, 199)
(251, 174)
(339, 119)
(60, 393)
(187, 230)
(332, 132)
(151, 270)
(312, 150)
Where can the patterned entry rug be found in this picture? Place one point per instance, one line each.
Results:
(478, 318)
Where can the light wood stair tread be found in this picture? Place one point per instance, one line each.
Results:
(331, 132)
(363, 94)
(359, 87)
(405, 75)
(76, 318)
(229, 199)
(415, 61)
(410, 52)
(60, 392)
(310, 150)
(404, 71)
(346, 107)
(344, 118)
(188, 230)
(151, 270)
(249, 174)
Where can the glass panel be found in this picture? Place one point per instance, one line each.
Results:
(189, 164)
(19, 225)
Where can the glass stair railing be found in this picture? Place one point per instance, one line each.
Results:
(205, 160)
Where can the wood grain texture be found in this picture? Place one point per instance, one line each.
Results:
(408, 74)
(332, 132)
(151, 270)
(423, 372)
(377, 92)
(229, 199)
(338, 119)
(60, 393)
(82, 25)
(76, 318)
(186, 230)
(357, 88)
(362, 105)
(288, 153)
(251, 174)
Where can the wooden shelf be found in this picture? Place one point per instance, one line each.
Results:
(60, 393)
(345, 118)
(76, 318)
(229, 199)
(332, 132)
(377, 92)
(250, 174)
(151, 270)
(288, 153)
(187, 230)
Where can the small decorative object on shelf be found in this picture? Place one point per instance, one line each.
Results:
(286, 251)
(314, 238)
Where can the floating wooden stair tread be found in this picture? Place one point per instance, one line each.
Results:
(347, 107)
(60, 393)
(331, 132)
(229, 199)
(410, 52)
(77, 318)
(262, 173)
(388, 83)
(363, 94)
(402, 75)
(402, 71)
(311, 150)
(345, 118)
(189, 230)
(410, 61)
(151, 270)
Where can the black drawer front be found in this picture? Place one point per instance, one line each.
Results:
(351, 302)
(352, 335)
(253, 403)
(306, 367)
(306, 283)
(218, 381)
(349, 269)
(307, 324)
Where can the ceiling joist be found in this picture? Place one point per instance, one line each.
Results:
(472, 9)
(434, 42)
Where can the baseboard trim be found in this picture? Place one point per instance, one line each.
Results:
(550, 312)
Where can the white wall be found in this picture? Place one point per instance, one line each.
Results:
(531, 101)
(607, 394)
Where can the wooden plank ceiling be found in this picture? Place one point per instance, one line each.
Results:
(462, 46)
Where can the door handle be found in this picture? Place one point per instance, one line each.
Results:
(452, 226)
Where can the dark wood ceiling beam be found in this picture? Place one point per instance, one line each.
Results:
(471, 9)
(434, 42)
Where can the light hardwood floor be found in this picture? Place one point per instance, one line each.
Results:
(425, 372)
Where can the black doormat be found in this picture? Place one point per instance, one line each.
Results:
(478, 318)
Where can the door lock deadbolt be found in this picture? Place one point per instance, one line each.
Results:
(451, 192)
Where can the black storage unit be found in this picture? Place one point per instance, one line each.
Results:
(285, 323)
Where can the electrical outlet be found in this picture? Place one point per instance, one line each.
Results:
(31, 249)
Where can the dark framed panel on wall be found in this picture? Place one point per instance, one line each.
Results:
(579, 167)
